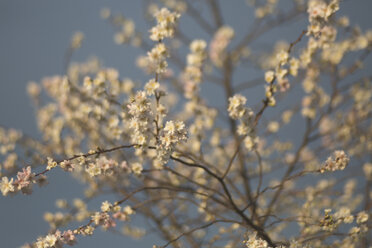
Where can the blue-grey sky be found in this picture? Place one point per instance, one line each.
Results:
(34, 36)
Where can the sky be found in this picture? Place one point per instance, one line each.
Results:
(34, 36)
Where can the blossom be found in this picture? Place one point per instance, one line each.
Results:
(51, 240)
(139, 104)
(197, 55)
(294, 65)
(68, 237)
(106, 206)
(219, 43)
(33, 89)
(345, 214)
(273, 126)
(48, 241)
(24, 178)
(6, 186)
(272, 101)
(269, 76)
(61, 203)
(316, 9)
(255, 242)
(157, 58)
(151, 86)
(109, 223)
(338, 161)
(192, 75)
(99, 218)
(136, 168)
(128, 210)
(93, 169)
(67, 165)
(319, 14)
(142, 116)
(282, 57)
(105, 164)
(76, 40)
(281, 73)
(113, 121)
(88, 230)
(120, 216)
(251, 142)
(173, 133)
(51, 163)
(362, 217)
(124, 214)
(332, 7)
(236, 106)
(198, 46)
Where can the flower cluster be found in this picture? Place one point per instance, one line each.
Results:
(319, 13)
(237, 107)
(238, 111)
(8, 141)
(219, 43)
(192, 75)
(56, 240)
(106, 219)
(362, 217)
(284, 66)
(338, 161)
(166, 22)
(332, 221)
(322, 38)
(173, 133)
(328, 223)
(142, 116)
(109, 213)
(24, 180)
(102, 165)
(151, 87)
(322, 33)
(51, 163)
(251, 142)
(23, 183)
(67, 165)
(103, 219)
(157, 58)
(255, 242)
